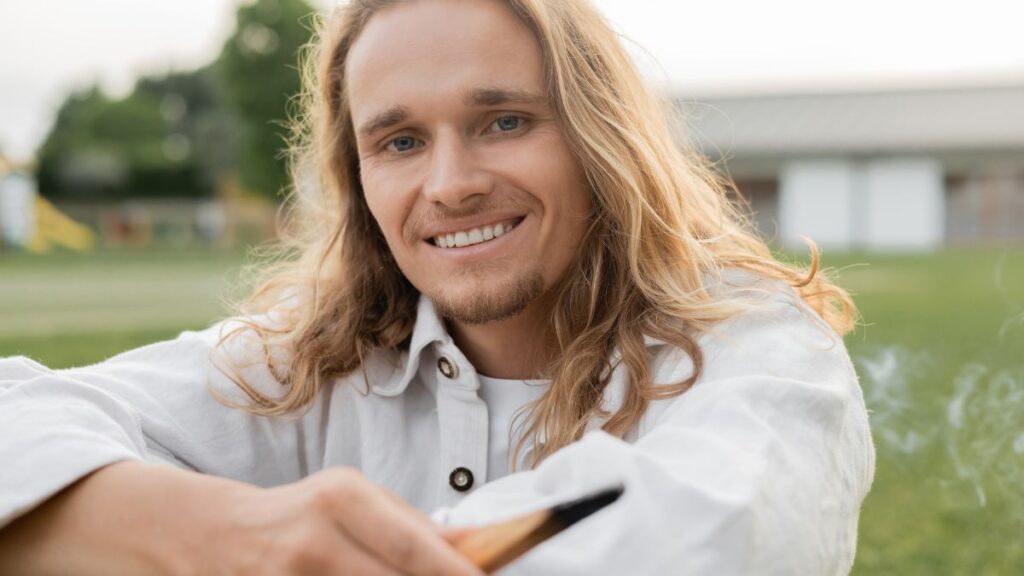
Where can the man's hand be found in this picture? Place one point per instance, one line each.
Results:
(136, 518)
(334, 522)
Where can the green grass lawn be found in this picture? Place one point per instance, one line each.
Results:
(940, 354)
(941, 360)
(68, 310)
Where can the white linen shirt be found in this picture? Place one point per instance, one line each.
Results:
(760, 468)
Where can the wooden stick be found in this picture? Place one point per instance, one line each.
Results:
(492, 547)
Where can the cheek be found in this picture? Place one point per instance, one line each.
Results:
(572, 192)
(583, 198)
(386, 209)
(576, 207)
(556, 178)
(379, 214)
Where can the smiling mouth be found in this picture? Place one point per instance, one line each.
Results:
(475, 236)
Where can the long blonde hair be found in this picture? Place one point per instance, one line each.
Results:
(662, 226)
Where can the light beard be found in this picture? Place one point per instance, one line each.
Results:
(498, 303)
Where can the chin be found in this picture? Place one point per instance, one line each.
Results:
(482, 302)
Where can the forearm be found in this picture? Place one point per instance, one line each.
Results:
(126, 518)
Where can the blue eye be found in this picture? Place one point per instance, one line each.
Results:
(508, 123)
(402, 144)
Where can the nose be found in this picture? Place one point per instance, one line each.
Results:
(454, 174)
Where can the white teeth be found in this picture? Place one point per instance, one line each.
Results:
(471, 237)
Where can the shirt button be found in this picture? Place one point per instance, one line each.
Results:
(461, 479)
(448, 368)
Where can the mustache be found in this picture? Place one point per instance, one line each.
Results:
(425, 215)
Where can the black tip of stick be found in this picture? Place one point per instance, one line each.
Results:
(568, 513)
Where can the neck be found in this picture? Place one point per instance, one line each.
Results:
(514, 348)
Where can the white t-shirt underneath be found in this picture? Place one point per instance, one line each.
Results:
(504, 398)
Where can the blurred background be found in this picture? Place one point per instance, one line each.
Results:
(140, 159)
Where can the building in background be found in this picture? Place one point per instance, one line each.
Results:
(897, 170)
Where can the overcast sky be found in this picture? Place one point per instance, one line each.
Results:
(48, 47)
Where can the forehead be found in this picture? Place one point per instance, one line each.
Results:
(435, 49)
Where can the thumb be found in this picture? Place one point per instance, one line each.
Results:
(453, 535)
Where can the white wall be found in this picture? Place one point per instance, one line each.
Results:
(904, 202)
(887, 204)
(816, 200)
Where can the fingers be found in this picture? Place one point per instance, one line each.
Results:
(349, 559)
(314, 547)
(389, 531)
(454, 535)
(401, 503)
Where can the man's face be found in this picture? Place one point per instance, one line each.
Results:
(463, 162)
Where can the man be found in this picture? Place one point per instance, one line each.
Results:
(503, 224)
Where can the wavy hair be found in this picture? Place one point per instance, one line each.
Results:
(663, 228)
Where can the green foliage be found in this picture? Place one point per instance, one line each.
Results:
(144, 145)
(195, 103)
(259, 71)
(179, 134)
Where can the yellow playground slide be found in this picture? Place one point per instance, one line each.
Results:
(54, 228)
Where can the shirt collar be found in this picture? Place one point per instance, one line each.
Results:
(400, 367)
(389, 372)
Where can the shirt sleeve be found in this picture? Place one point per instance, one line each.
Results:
(153, 403)
(760, 468)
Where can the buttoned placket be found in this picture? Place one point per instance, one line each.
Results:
(463, 422)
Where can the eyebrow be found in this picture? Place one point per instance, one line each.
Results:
(385, 119)
(478, 97)
(493, 96)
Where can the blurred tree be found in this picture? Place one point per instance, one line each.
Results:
(180, 134)
(148, 144)
(258, 67)
(202, 123)
(71, 161)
